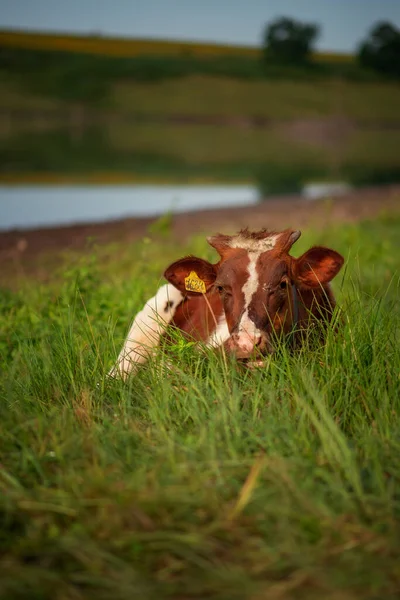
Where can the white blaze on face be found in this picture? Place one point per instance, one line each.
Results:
(248, 334)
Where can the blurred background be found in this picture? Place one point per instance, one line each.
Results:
(135, 108)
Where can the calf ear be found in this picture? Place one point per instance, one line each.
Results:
(317, 266)
(191, 275)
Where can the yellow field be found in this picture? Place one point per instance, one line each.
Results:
(135, 47)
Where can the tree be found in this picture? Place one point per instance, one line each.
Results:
(287, 41)
(381, 50)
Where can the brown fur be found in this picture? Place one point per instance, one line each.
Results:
(197, 318)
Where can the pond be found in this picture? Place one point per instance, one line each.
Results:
(29, 206)
(23, 207)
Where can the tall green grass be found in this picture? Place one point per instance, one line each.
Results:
(207, 480)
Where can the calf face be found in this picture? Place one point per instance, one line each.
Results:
(259, 284)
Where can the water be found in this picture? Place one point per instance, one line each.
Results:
(313, 191)
(24, 207)
(36, 206)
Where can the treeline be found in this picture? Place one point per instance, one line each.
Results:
(291, 42)
(288, 53)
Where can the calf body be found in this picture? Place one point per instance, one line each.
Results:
(255, 292)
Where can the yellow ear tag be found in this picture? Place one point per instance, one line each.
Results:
(193, 283)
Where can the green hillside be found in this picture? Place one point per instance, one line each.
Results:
(180, 118)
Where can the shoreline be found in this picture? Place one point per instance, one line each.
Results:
(277, 212)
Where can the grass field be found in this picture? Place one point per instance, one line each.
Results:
(211, 481)
(276, 99)
(74, 105)
(210, 95)
(327, 129)
(69, 113)
(277, 154)
(276, 145)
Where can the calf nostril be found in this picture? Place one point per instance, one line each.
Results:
(258, 342)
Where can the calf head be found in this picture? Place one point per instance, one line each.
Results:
(256, 279)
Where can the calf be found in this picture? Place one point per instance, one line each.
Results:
(254, 293)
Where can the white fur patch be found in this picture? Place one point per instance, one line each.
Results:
(252, 245)
(146, 329)
(247, 330)
(220, 335)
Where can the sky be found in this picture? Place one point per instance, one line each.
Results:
(344, 22)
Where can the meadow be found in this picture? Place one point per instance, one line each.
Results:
(208, 481)
(285, 98)
(324, 130)
(171, 111)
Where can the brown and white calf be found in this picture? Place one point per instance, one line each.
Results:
(254, 293)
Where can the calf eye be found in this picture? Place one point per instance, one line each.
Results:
(283, 285)
(220, 289)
